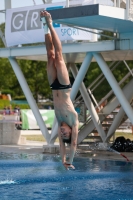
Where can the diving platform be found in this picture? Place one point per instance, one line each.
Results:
(100, 17)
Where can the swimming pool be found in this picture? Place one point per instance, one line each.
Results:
(39, 176)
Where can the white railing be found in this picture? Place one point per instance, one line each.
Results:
(128, 5)
(102, 2)
(130, 16)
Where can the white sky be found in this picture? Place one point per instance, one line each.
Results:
(23, 3)
(20, 3)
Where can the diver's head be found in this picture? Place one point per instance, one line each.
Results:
(66, 132)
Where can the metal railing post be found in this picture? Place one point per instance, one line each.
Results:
(127, 9)
(67, 3)
(114, 3)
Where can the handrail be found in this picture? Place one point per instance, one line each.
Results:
(104, 77)
(89, 118)
(100, 76)
(128, 67)
(90, 91)
(111, 91)
(86, 122)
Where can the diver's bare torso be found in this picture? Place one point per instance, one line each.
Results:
(64, 109)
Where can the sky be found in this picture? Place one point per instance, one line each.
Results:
(23, 3)
(18, 3)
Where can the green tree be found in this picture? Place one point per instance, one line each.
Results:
(34, 72)
(36, 76)
(2, 28)
(108, 33)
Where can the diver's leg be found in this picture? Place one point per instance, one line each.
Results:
(60, 65)
(51, 70)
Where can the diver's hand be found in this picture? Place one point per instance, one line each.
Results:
(67, 166)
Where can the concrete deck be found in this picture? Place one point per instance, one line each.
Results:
(33, 147)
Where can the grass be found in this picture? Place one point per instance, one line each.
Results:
(40, 138)
(125, 135)
(35, 138)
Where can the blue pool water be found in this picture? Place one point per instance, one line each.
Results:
(39, 176)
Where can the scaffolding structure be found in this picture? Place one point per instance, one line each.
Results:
(119, 49)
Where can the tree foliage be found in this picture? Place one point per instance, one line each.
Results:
(36, 76)
(34, 72)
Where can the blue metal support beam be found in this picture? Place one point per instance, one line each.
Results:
(118, 118)
(79, 78)
(106, 111)
(90, 106)
(27, 93)
(66, 48)
(29, 97)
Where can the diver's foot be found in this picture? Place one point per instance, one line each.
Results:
(45, 25)
(44, 14)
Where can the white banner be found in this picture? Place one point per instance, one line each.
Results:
(23, 26)
(29, 121)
